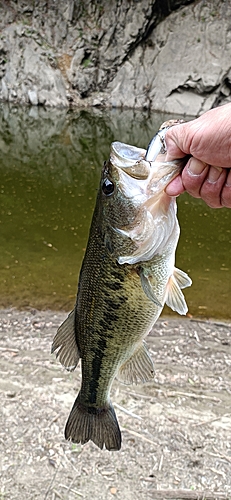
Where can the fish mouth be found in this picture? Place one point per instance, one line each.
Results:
(130, 159)
(137, 175)
(143, 182)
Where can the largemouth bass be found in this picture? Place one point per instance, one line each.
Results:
(127, 275)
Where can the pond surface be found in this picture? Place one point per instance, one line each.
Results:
(50, 162)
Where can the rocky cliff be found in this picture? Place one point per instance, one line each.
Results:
(166, 55)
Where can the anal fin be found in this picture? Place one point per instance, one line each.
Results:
(64, 344)
(138, 368)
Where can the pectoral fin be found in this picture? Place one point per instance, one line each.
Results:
(138, 368)
(148, 289)
(175, 298)
(182, 278)
(65, 344)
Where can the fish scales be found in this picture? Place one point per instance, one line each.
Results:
(117, 304)
(127, 276)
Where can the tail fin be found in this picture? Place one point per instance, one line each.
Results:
(99, 425)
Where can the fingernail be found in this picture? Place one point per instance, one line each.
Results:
(214, 174)
(196, 167)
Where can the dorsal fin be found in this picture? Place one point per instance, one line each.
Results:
(65, 344)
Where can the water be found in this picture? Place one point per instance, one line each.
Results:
(50, 164)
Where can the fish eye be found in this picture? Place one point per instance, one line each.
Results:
(108, 187)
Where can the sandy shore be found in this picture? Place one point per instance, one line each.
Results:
(176, 430)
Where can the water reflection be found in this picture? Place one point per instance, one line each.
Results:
(49, 166)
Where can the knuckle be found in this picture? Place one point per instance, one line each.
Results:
(211, 194)
(226, 196)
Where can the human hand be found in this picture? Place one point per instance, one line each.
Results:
(206, 174)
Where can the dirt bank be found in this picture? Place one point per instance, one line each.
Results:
(176, 430)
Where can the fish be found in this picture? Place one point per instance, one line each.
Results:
(127, 276)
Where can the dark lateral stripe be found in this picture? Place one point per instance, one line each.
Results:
(114, 285)
(117, 275)
(107, 324)
(110, 316)
(96, 367)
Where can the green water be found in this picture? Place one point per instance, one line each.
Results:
(50, 163)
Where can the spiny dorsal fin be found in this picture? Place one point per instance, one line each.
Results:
(148, 289)
(65, 345)
(174, 297)
(99, 425)
(182, 279)
(138, 368)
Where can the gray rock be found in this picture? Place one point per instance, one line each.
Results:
(29, 76)
(4, 90)
(33, 97)
(167, 56)
(181, 69)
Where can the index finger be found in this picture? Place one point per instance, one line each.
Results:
(175, 187)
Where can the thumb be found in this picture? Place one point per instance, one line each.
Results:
(174, 143)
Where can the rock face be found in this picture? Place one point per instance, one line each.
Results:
(166, 55)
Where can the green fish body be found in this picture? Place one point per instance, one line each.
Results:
(127, 276)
